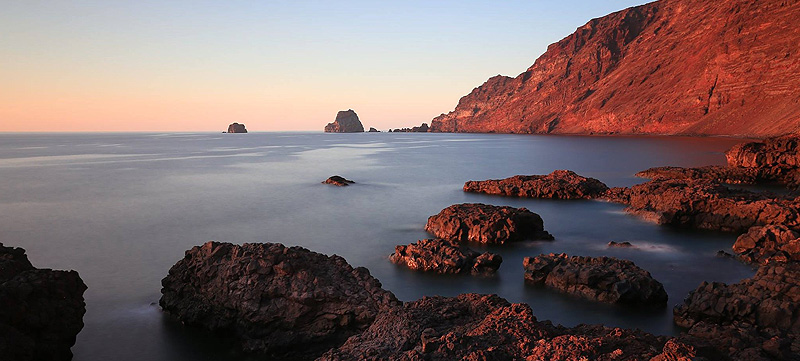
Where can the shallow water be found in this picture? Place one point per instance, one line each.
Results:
(122, 208)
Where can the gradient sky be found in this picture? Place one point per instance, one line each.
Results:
(273, 65)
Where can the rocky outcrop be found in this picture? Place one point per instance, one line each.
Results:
(560, 184)
(373, 130)
(237, 128)
(338, 181)
(625, 244)
(717, 174)
(282, 301)
(483, 223)
(757, 318)
(346, 122)
(776, 159)
(41, 310)
(442, 256)
(602, 279)
(766, 244)
(653, 69)
(420, 129)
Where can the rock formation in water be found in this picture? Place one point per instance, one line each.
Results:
(236, 128)
(373, 130)
(713, 173)
(346, 122)
(281, 301)
(483, 223)
(338, 181)
(41, 310)
(443, 256)
(768, 244)
(694, 67)
(420, 129)
(560, 184)
(603, 279)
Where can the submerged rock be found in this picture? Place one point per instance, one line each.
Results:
(237, 128)
(442, 256)
(282, 301)
(765, 244)
(603, 279)
(560, 184)
(41, 310)
(346, 122)
(483, 223)
(338, 181)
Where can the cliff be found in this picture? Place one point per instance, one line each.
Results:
(689, 67)
(346, 122)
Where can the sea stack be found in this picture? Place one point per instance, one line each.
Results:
(346, 122)
(237, 128)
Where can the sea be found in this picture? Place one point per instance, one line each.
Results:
(122, 208)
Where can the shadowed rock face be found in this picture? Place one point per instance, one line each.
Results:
(767, 244)
(668, 67)
(560, 184)
(603, 279)
(441, 256)
(41, 310)
(282, 301)
(346, 122)
(483, 223)
(237, 128)
(776, 159)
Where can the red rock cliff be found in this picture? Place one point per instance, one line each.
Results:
(692, 67)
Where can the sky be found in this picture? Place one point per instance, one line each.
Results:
(168, 65)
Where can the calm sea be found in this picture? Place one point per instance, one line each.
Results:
(121, 209)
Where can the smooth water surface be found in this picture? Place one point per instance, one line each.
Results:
(121, 209)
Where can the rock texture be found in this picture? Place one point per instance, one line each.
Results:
(757, 318)
(603, 279)
(717, 174)
(693, 67)
(338, 181)
(775, 159)
(560, 184)
(442, 256)
(41, 310)
(282, 301)
(483, 223)
(237, 128)
(767, 244)
(346, 122)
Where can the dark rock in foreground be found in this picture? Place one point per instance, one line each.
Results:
(483, 223)
(765, 244)
(282, 301)
(346, 122)
(560, 184)
(714, 173)
(41, 310)
(442, 256)
(338, 181)
(236, 128)
(373, 130)
(603, 279)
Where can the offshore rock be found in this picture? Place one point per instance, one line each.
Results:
(420, 129)
(346, 122)
(442, 256)
(282, 301)
(560, 184)
(338, 181)
(41, 310)
(603, 279)
(373, 130)
(765, 244)
(653, 69)
(236, 128)
(483, 223)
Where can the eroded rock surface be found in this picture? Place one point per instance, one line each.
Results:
(713, 173)
(560, 184)
(237, 128)
(603, 279)
(776, 159)
(442, 256)
(483, 223)
(338, 181)
(765, 244)
(346, 122)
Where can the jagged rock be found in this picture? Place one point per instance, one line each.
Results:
(346, 122)
(282, 301)
(560, 184)
(717, 174)
(776, 159)
(603, 279)
(625, 244)
(420, 129)
(373, 130)
(442, 256)
(236, 128)
(764, 244)
(338, 181)
(41, 310)
(483, 223)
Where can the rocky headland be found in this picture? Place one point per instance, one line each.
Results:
(237, 128)
(483, 223)
(560, 184)
(346, 122)
(443, 256)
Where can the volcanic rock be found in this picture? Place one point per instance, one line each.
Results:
(775, 159)
(373, 130)
(657, 68)
(41, 310)
(603, 279)
(764, 244)
(442, 256)
(282, 301)
(346, 122)
(625, 244)
(483, 223)
(560, 184)
(338, 181)
(236, 128)
(420, 129)
(717, 174)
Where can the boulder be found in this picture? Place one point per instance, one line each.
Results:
(346, 122)
(603, 279)
(338, 181)
(483, 223)
(285, 302)
(765, 244)
(41, 310)
(560, 184)
(442, 256)
(236, 128)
